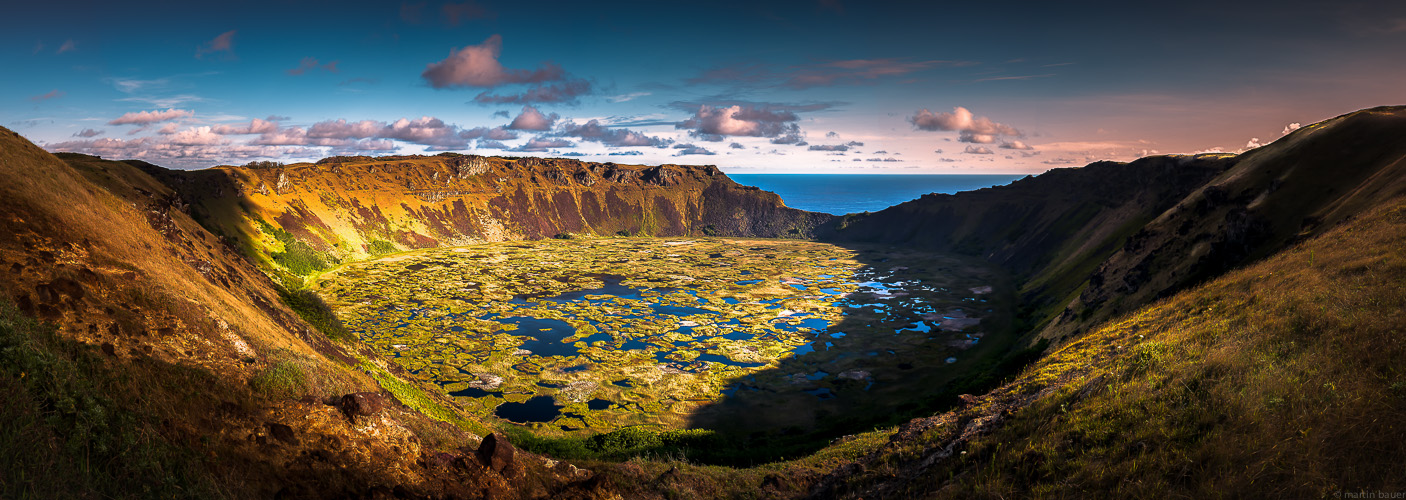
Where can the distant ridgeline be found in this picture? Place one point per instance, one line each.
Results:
(305, 216)
(1096, 241)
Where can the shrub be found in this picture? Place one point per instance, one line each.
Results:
(317, 313)
(382, 247)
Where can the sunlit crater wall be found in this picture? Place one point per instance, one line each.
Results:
(344, 206)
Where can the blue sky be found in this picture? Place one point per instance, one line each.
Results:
(807, 86)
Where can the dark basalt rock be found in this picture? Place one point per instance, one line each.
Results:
(362, 404)
(495, 452)
(281, 432)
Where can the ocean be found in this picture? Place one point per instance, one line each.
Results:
(841, 194)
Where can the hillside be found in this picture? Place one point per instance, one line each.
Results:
(1089, 243)
(1280, 379)
(174, 368)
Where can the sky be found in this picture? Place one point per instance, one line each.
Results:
(821, 86)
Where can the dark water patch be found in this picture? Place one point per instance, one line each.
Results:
(598, 404)
(473, 392)
(822, 393)
(537, 409)
(819, 374)
(738, 335)
(731, 301)
(746, 282)
(547, 335)
(679, 310)
(624, 383)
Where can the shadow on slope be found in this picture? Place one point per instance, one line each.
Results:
(1280, 379)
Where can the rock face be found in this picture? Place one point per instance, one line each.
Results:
(344, 206)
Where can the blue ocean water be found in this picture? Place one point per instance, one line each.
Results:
(841, 194)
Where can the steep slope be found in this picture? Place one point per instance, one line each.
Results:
(176, 370)
(351, 207)
(1297, 187)
(1093, 242)
(1048, 230)
(1280, 379)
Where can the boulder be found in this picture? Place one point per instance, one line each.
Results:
(362, 404)
(281, 432)
(495, 452)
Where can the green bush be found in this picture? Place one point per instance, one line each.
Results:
(297, 257)
(382, 247)
(317, 313)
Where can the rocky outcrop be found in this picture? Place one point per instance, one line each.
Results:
(344, 206)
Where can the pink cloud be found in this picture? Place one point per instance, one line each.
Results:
(455, 13)
(978, 150)
(222, 43)
(561, 92)
(150, 117)
(187, 149)
(255, 126)
(68, 46)
(619, 137)
(310, 63)
(52, 94)
(197, 136)
(532, 119)
(541, 144)
(975, 129)
(478, 66)
(303, 66)
(712, 123)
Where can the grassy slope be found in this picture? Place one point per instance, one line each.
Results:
(1280, 379)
